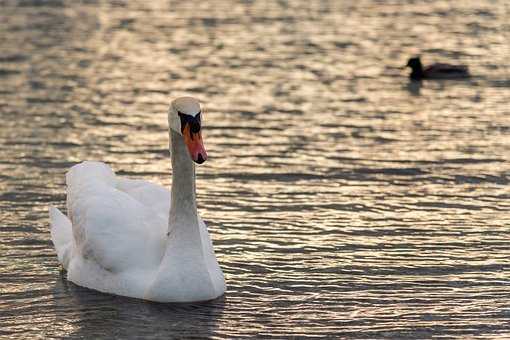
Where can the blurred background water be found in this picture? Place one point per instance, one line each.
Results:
(342, 199)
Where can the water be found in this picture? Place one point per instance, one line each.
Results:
(343, 200)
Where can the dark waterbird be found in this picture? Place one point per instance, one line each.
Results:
(436, 71)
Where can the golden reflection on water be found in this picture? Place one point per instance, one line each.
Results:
(342, 199)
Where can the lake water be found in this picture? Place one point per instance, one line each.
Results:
(342, 199)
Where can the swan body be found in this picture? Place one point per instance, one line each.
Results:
(436, 71)
(135, 238)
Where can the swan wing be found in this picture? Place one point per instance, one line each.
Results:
(61, 235)
(154, 196)
(111, 229)
(215, 273)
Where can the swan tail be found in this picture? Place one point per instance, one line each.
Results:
(61, 235)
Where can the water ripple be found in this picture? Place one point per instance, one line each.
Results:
(343, 200)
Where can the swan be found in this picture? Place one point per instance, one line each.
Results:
(135, 238)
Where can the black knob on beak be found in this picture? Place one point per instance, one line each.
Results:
(193, 122)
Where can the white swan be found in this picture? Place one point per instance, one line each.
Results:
(135, 238)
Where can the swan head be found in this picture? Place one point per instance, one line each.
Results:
(185, 118)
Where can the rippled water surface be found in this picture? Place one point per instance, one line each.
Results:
(343, 200)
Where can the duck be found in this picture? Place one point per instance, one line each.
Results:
(134, 238)
(436, 71)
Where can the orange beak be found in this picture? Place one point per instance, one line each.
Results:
(195, 145)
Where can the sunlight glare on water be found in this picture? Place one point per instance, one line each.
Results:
(342, 199)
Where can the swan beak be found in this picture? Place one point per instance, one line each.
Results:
(195, 144)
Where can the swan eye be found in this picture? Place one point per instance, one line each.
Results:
(195, 124)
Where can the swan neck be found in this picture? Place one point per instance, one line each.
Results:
(183, 207)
